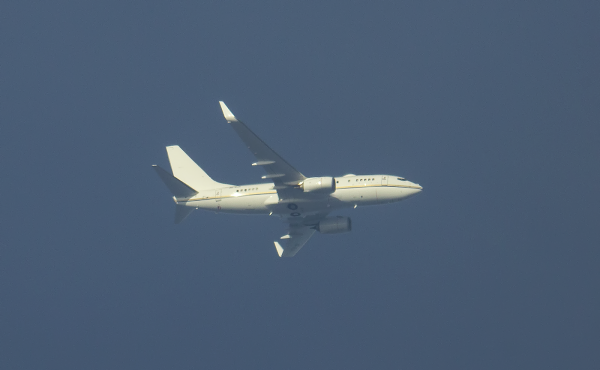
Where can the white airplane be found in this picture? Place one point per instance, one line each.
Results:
(302, 202)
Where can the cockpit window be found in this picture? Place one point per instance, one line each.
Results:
(401, 178)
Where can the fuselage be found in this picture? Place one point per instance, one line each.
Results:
(350, 191)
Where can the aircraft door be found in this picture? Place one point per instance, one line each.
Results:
(218, 200)
(384, 180)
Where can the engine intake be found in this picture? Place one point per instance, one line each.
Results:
(319, 185)
(335, 225)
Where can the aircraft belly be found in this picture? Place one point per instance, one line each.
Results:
(300, 205)
(249, 204)
(208, 204)
(369, 196)
(387, 194)
(365, 196)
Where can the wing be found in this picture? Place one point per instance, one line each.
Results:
(300, 229)
(293, 241)
(278, 170)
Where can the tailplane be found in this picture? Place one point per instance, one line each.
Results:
(181, 212)
(186, 170)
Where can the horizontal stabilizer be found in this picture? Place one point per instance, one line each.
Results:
(177, 188)
(181, 212)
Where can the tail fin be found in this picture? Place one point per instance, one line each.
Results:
(186, 170)
(177, 188)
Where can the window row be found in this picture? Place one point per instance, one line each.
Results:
(243, 190)
(357, 180)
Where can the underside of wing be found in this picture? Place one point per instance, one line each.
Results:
(291, 243)
(278, 170)
(300, 229)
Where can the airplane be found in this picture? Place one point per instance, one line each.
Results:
(303, 203)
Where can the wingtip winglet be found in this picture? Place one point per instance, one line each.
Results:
(279, 249)
(227, 113)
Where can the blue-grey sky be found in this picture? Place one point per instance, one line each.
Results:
(492, 106)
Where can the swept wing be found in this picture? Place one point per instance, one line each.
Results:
(278, 170)
(292, 242)
(285, 177)
(300, 229)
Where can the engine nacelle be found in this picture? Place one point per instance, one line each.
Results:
(335, 225)
(319, 185)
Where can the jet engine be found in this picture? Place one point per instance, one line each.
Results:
(335, 225)
(319, 185)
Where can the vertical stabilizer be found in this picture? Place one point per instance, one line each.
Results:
(186, 170)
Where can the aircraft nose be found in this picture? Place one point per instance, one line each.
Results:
(414, 189)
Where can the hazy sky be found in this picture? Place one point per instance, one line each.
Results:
(492, 106)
